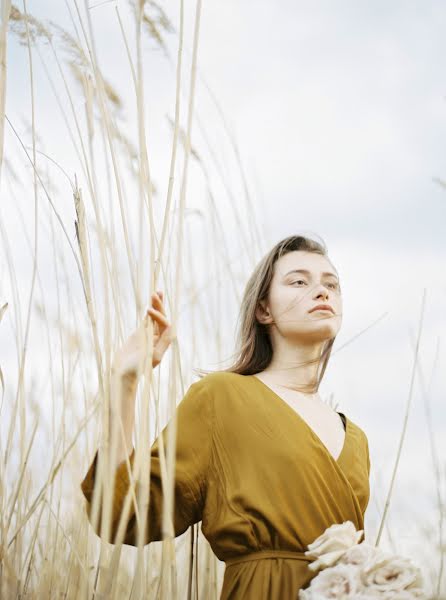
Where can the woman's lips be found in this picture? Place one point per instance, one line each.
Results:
(322, 307)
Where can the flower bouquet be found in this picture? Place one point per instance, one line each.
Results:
(349, 569)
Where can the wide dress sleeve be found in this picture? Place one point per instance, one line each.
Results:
(193, 450)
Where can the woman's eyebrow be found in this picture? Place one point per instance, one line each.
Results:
(308, 272)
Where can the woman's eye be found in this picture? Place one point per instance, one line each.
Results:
(333, 285)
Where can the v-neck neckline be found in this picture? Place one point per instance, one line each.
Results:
(310, 429)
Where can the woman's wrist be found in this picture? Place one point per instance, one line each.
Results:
(122, 409)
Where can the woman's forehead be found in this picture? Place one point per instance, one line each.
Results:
(311, 261)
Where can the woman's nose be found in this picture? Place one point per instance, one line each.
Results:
(322, 291)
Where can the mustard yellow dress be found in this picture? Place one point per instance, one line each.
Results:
(260, 480)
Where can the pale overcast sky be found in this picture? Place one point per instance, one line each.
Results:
(339, 113)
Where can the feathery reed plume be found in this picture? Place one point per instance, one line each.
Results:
(154, 19)
(71, 46)
(82, 238)
(3, 310)
(36, 28)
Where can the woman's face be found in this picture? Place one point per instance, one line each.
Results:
(301, 281)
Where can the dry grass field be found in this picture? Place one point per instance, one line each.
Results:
(96, 223)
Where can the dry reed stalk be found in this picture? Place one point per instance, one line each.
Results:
(72, 46)
(216, 221)
(97, 354)
(104, 466)
(104, 388)
(81, 575)
(20, 397)
(353, 338)
(68, 539)
(28, 560)
(2, 380)
(144, 171)
(64, 117)
(81, 235)
(75, 49)
(127, 49)
(257, 235)
(249, 248)
(53, 472)
(19, 404)
(144, 471)
(145, 191)
(21, 475)
(5, 10)
(144, 175)
(5, 452)
(50, 201)
(176, 130)
(406, 417)
(89, 42)
(84, 262)
(436, 463)
(168, 504)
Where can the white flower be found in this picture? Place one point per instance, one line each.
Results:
(410, 594)
(374, 594)
(389, 573)
(341, 581)
(359, 570)
(360, 554)
(332, 544)
(370, 594)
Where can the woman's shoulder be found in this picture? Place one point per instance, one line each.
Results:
(220, 380)
(358, 431)
(221, 391)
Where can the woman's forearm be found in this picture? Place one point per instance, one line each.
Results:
(124, 412)
(126, 368)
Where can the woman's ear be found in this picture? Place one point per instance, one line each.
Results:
(262, 313)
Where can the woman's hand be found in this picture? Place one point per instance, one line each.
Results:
(129, 359)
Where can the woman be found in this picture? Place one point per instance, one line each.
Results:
(261, 459)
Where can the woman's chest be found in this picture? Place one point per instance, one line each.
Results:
(263, 449)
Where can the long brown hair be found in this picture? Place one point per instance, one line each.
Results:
(254, 349)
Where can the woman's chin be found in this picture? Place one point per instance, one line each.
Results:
(317, 333)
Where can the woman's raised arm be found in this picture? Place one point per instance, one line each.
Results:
(127, 367)
(193, 443)
(193, 451)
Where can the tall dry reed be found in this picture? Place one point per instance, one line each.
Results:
(99, 239)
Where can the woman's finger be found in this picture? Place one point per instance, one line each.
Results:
(164, 342)
(158, 316)
(157, 313)
(157, 302)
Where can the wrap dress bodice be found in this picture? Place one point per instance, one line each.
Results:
(259, 479)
